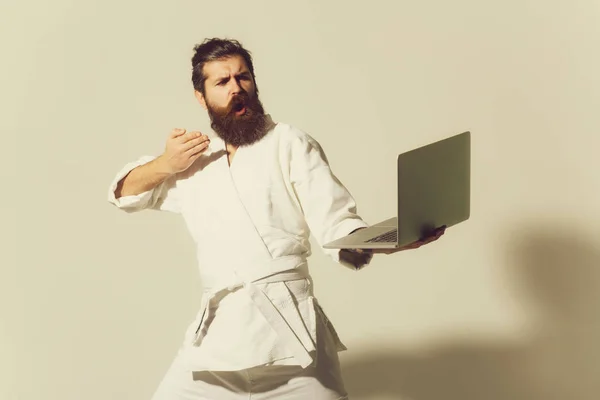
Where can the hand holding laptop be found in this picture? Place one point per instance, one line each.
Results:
(435, 235)
(432, 237)
(433, 193)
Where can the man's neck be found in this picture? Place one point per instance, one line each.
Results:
(230, 148)
(230, 152)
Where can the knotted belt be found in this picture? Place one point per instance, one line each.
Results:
(277, 270)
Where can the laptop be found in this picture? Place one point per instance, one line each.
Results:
(434, 190)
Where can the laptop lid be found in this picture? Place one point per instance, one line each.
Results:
(434, 187)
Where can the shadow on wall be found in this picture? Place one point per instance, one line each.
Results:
(560, 277)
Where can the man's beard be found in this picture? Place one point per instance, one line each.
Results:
(239, 130)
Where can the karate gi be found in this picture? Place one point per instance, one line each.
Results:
(251, 222)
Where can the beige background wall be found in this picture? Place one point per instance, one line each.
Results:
(506, 306)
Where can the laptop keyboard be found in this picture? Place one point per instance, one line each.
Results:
(388, 237)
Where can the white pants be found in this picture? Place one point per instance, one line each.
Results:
(320, 381)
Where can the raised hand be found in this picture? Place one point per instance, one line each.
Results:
(182, 149)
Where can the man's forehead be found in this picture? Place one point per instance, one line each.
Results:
(225, 67)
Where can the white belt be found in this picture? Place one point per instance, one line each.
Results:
(266, 307)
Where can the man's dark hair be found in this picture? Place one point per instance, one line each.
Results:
(216, 49)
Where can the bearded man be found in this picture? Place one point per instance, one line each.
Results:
(250, 193)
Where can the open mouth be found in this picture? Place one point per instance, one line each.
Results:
(239, 108)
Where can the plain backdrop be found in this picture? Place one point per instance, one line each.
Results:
(94, 302)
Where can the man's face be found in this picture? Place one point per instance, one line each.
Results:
(232, 102)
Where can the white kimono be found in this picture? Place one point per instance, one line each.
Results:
(251, 222)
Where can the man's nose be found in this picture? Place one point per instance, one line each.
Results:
(235, 86)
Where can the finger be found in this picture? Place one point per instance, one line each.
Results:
(433, 239)
(192, 136)
(434, 233)
(190, 144)
(196, 156)
(176, 133)
(198, 149)
(434, 236)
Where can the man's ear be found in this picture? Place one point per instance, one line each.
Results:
(200, 98)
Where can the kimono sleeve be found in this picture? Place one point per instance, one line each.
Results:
(328, 207)
(163, 197)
